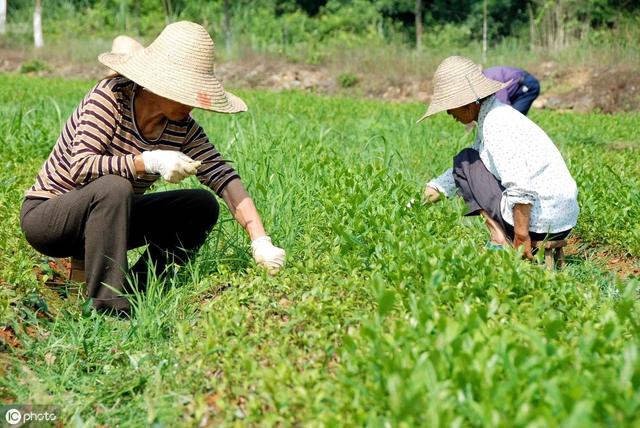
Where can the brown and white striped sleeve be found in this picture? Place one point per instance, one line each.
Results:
(90, 148)
(212, 173)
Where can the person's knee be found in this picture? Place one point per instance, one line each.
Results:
(465, 155)
(208, 208)
(112, 188)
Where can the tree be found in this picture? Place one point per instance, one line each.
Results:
(3, 16)
(227, 26)
(38, 40)
(484, 32)
(419, 27)
(168, 10)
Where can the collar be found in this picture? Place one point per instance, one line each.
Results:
(486, 106)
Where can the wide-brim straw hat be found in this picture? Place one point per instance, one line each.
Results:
(124, 45)
(459, 81)
(178, 65)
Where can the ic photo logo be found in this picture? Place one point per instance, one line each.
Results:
(13, 416)
(28, 414)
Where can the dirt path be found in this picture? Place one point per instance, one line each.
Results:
(610, 90)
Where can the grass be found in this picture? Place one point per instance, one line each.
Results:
(384, 315)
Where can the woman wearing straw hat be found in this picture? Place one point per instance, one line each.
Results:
(88, 200)
(513, 175)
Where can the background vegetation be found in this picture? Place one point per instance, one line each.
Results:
(313, 30)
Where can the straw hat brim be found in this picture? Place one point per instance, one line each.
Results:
(447, 100)
(191, 89)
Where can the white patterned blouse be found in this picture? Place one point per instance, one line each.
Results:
(527, 164)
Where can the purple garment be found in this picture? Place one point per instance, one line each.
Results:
(504, 74)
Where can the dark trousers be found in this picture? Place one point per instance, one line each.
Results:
(99, 222)
(526, 94)
(482, 191)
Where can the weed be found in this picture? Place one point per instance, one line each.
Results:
(33, 66)
(348, 80)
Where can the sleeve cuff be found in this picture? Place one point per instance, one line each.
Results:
(130, 166)
(228, 180)
(515, 197)
(439, 188)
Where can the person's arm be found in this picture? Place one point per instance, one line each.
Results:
(89, 149)
(244, 211)
(521, 215)
(217, 173)
(443, 184)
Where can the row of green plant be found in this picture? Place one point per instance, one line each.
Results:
(384, 315)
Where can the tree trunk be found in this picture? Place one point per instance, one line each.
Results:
(419, 26)
(3, 16)
(136, 9)
(123, 16)
(227, 26)
(532, 28)
(484, 32)
(37, 25)
(167, 11)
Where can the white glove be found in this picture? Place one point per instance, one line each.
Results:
(172, 165)
(267, 255)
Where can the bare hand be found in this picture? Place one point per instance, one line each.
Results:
(430, 195)
(523, 239)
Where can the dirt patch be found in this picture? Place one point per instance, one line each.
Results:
(8, 338)
(624, 266)
(609, 90)
(622, 145)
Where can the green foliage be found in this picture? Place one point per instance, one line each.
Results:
(33, 66)
(348, 80)
(302, 29)
(448, 35)
(384, 316)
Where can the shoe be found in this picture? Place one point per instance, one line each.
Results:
(76, 272)
(124, 314)
(493, 246)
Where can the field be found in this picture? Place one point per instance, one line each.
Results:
(385, 315)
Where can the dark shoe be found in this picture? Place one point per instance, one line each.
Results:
(76, 273)
(123, 313)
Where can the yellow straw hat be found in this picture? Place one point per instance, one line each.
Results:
(178, 65)
(124, 45)
(459, 81)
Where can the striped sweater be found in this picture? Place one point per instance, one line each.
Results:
(101, 138)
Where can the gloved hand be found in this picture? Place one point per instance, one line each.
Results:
(172, 165)
(267, 255)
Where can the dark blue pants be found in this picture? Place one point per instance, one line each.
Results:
(525, 95)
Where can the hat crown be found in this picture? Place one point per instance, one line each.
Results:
(125, 45)
(456, 73)
(178, 65)
(459, 81)
(185, 44)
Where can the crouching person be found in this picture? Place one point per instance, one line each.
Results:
(513, 175)
(88, 200)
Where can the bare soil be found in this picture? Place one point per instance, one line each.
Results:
(606, 89)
